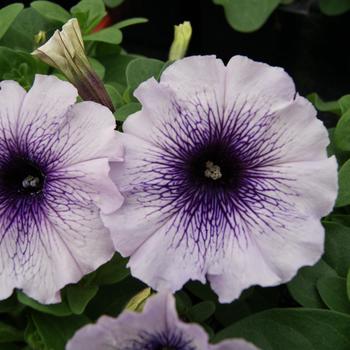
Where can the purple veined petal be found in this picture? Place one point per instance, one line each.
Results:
(11, 96)
(48, 107)
(157, 326)
(54, 184)
(254, 81)
(182, 78)
(230, 177)
(46, 102)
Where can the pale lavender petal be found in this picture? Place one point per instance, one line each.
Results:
(230, 178)
(54, 184)
(255, 82)
(156, 327)
(44, 105)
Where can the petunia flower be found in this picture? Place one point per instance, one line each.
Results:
(54, 166)
(226, 178)
(65, 51)
(157, 327)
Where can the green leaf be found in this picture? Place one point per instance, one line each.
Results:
(89, 13)
(113, 3)
(54, 332)
(114, 270)
(13, 346)
(227, 314)
(9, 304)
(110, 35)
(291, 329)
(32, 336)
(344, 103)
(342, 132)
(16, 65)
(165, 66)
(51, 11)
(61, 309)
(111, 299)
(130, 22)
(322, 106)
(334, 7)
(348, 284)
(303, 286)
(331, 147)
(202, 291)
(337, 247)
(183, 302)
(9, 334)
(124, 111)
(333, 292)
(79, 295)
(98, 67)
(341, 219)
(7, 15)
(344, 185)
(142, 69)
(201, 311)
(115, 64)
(115, 96)
(247, 15)
(26, 25)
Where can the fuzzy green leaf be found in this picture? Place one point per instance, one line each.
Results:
(342, 132)
(89, 13)
(54, 332)
(247, 15)
(333, 292)
(28, 23)
(291, 329)
(124, 111)
(110, 35)
(113, 3)
(98, 67)
(344, 184)
(9, 334)
(303, 286)
(114, 94)
(348, 284)
(51, 11)
(334, 7)
(201, 311)
(130, 22)
(7, 15)
(324, 106)
(113, 271)
(142, 69)
(79, 295)
(61, 309)
(337, 247)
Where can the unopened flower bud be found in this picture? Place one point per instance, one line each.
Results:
(182, 37)
(137, 302)
(65, 52)
(40, 38)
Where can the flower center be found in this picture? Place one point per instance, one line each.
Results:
(164, 340)
(20, 175)
(215, 166)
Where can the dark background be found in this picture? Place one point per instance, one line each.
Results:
(312, 47)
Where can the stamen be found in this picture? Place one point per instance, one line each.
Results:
(31, 182)
(213, 171)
